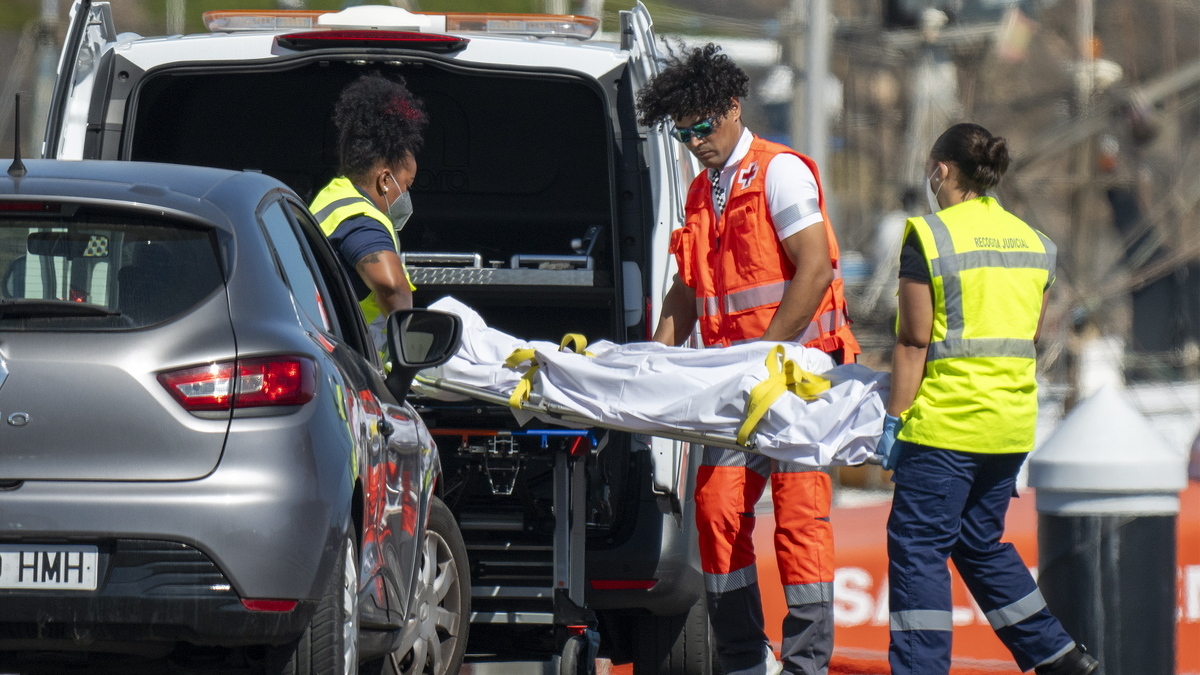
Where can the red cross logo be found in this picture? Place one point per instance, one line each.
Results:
(747, 175)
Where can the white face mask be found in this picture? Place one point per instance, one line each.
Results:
(932, 196)
(401, 209)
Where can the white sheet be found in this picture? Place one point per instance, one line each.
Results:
(651, 387)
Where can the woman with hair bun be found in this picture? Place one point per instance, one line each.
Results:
(380, 125)
(962, 413)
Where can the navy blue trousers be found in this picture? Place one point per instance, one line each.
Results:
(950, 504)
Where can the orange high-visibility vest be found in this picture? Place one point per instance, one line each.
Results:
(739, 268)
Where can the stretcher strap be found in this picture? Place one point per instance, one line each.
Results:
(524, 388)
(577, 342)
(783, 375)
(521, 392)
(806, 385)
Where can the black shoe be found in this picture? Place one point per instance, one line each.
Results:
(1075, 662)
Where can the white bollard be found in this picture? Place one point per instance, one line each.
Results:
(1108, 500)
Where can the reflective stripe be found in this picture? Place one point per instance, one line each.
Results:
(336, 204)
(827, 322)
(1051, 254)
(1057, 655)
(708, 307)
(755, 297)
(808, 594)
(782, 466)
(714, 456)
(951, 283)
(982, 348)
(723, 583)
(742, 301)
(921, 619)
(941, 235)
(1017, 611)
(796, 212)
(958, 262)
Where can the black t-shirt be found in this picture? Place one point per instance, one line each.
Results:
(912, 260)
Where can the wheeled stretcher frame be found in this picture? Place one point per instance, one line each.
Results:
(572, 619)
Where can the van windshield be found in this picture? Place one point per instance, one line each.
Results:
(101, 272)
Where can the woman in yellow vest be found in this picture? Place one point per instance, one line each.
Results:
(962, 414)
(379, 125)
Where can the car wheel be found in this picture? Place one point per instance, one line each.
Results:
(329, 644)
(442, 604)
(676, 645)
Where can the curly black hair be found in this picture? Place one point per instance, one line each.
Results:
(378, 119)
(700, 82)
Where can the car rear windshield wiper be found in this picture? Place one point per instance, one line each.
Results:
(28, 308)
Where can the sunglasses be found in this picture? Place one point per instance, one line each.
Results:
(701, 129)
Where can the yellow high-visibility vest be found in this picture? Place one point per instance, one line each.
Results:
(336, 203)
(988, 273)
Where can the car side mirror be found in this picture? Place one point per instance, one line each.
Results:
(419, 339)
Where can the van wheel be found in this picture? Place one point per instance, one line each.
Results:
(330, 643)
(574, 657)
(675, 645)
(442, 604)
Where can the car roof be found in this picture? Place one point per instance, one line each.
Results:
(212, 194)
(592, 57)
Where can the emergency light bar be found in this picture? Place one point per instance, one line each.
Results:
(388, 18)
(324, 39)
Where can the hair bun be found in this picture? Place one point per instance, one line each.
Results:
(996, 153)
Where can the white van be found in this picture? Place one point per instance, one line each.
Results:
(539, 201)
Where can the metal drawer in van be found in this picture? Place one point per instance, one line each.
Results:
(435, 269)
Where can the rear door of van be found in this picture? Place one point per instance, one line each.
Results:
(81, 67)
(668, 163)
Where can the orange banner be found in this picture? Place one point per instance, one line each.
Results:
(860, 590)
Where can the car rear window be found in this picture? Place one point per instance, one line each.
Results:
(101, 272)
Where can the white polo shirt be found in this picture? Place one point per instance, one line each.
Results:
(791, 189)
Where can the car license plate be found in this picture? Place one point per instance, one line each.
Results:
(59, 567)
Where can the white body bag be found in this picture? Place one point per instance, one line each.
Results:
(778, 399)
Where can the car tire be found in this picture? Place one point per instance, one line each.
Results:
(675, 645)
(329, 645)
(443, 597)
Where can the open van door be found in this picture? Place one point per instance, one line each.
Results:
(670, 173)
(91, 28)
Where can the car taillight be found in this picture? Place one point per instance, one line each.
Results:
(30, 207)
(333, 39)
(264, 381)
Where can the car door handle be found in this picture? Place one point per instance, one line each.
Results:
(385, 428)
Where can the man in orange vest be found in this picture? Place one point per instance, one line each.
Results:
(757, 260)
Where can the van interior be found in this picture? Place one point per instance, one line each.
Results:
(513, 164)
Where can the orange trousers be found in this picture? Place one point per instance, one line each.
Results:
(728, 486)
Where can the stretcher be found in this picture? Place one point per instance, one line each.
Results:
(546, 382)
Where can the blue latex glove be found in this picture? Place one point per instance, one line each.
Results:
(887, 442)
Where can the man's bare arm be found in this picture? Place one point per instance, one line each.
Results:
(678, 317)
(808, 250)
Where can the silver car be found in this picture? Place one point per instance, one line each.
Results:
(202, 459)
